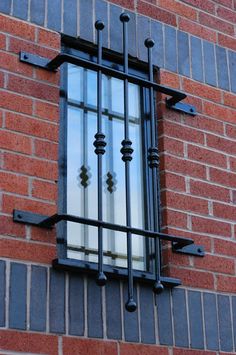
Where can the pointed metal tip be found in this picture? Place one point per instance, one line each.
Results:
(99, 25)
(158, 288)
(131, 305)
(101, 279)
(149, 42)
(124, 17)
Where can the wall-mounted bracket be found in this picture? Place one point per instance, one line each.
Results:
(52, 65)
(192, 249)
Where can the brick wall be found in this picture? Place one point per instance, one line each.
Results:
(43, 311)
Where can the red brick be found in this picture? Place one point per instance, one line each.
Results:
(216, 23)
(178, 8)
(12, 340)
(172, 182)
(191, 352)
(44, 190)
(226, 14)
(170, 258)
(156, 13)
(34, 127)
(220, 112)
(128, 4)
(140, 349)
(14, 102)
(206, 189)
(30, 166)
(230, 99)
(10, 202)
(47, 111)
(11, 62)
(193, 278)
(183, 166)
(227, 3)
(216, 264)
(226, 283)
(2, 41)
(15, 142)
(202, 90)
(174, 219)
(1, 79)
(9, 228)
(195, 101)
(232, 162)
(224, 211)
(33, 88)
(47, 150)
(205, 5)
(169, 79)
(222, 144)
(197, 30)
(175, 130)
(43, 235)
(77, 346)
(231, 131)
(204, 123)
(17, 28)
(210, 226)
(47, 76)
(225, 247)
(169, 145)
(16, 45)
(13, 183)
(24, 250)
(184, 202)
(223, 177)
(227, 41)
(206, 156)
(49, 39)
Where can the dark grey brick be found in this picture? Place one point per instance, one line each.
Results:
(170, 48)
(76, 305)
(17, 298)
(130, 318)
(132, 40)
(211, 323)
(54, 15)
(143, 32)
(180, 318)
(57, 301)
(183, 53)
(20, 9)
(70, 17)
(222, 68)
(158, 49)
(113, 310)
(2, 292)
(5, 6)
(116, 28)
(232, 69)
(101, 13)
(86, 20)
(209, 63)
(147, 315)
(196, 58)
(94, 303)
(37, 11)
(195, 320)
(225, 326)
(234, 318)
(164, 318)
(38, 298)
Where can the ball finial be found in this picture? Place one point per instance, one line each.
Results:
(124, 17)
(99, 25)
(101, 279)
(158, 287)
(149, 42)
(130, 305)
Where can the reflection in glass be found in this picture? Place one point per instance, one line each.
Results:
(82, 167)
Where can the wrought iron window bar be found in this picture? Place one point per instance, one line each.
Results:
(179, 244)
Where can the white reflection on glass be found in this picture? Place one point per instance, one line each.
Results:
(82, 168)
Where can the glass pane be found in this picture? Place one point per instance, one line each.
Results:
(75, 83)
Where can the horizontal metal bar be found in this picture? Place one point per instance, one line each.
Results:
(48, 222)
(68, 58)
(112, 272)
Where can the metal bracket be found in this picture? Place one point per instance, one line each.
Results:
(192, 249)
(35, 60)
(181, 107)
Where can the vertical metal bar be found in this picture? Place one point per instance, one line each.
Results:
(153, 158)
(127, 151)
(100, 144)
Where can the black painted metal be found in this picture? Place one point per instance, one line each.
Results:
(100, 150)
(53, 65)
(195, 250)
(127, 151)
(153, 164)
